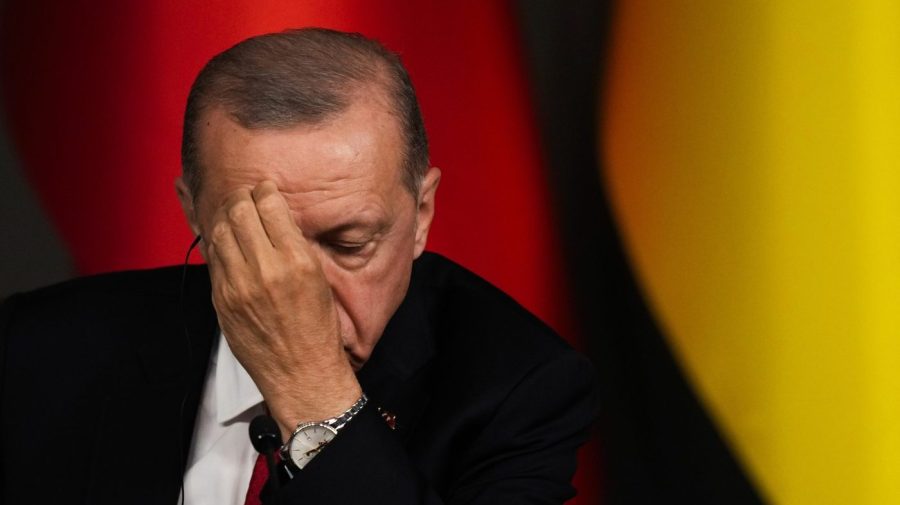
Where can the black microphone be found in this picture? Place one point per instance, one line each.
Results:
(266, 439)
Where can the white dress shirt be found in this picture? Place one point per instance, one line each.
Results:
(221, 457)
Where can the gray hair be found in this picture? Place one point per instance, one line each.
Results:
(302, 76)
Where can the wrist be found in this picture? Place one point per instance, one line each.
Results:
(324, 399)
(310, 438)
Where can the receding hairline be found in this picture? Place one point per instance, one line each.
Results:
(340, 70)
(370, 93)
(376, 90)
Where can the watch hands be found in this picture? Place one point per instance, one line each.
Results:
(316, 449)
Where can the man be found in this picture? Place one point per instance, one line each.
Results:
(393, 375)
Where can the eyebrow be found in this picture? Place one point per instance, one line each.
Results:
(375, 226)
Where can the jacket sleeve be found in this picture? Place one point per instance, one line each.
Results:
(526, 453)
(6, 310)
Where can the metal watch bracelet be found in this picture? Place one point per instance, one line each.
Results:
(335, 422)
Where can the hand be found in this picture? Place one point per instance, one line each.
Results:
(276, 309)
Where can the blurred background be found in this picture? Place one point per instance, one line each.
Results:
(700, 195)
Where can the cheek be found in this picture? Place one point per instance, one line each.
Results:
(366, 299)
(358, 296)
(352, 295)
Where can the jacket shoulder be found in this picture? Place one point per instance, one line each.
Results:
(93, 304)
(112, 287)
(155, 281)
(478, 323)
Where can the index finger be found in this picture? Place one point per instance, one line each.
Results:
(275, 215)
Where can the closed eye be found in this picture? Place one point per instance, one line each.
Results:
(348, 248)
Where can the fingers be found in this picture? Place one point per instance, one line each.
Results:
(275, 215)
(243, 218)
(214, 263)
(224, 249)
(249, 229)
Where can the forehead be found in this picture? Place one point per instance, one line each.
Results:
(358, 150)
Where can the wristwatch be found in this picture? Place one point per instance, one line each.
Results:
(308, 439)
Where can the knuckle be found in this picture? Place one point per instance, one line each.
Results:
(261, 189)
(223, 298)
(268, 203)
(273, 279)
(220, 232)
(242, 293)
(302, 264)
(239, 211)
(294, 257)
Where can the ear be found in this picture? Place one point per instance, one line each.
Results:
(425, 208)
(187, 204)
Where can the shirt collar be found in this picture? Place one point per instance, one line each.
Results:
(236, 392)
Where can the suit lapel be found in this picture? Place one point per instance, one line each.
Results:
(396, 377)
(145, 431)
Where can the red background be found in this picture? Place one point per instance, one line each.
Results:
(94, 94)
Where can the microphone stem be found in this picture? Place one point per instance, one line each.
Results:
(274, 480)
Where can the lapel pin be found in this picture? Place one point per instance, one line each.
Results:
(389, 417)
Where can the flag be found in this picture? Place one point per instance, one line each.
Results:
(750, 157)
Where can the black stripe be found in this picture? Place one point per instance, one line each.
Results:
(658, 443)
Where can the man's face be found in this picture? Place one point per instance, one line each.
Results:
(343, 184)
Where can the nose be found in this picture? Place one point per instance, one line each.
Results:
(335, 279)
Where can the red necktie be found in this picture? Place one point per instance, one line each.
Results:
(257, 481)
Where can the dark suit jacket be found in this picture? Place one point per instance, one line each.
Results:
(101, 380)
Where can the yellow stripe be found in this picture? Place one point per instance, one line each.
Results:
(753, 159)
(878, 125)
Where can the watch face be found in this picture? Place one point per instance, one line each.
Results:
(308, 441)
